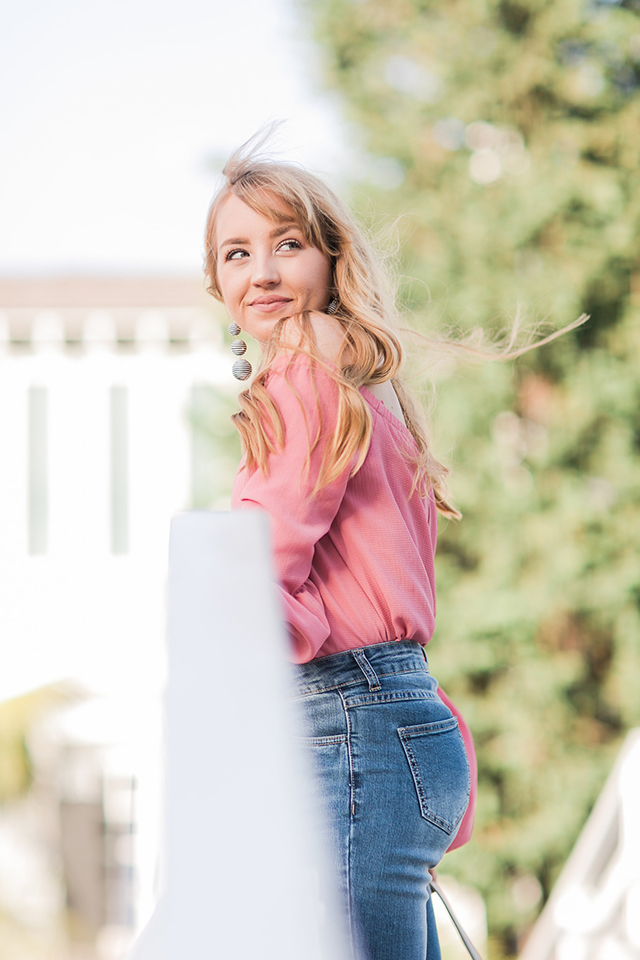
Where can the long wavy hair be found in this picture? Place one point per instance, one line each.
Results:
(362, 284)
(371, 351)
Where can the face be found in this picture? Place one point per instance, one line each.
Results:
(266, 269)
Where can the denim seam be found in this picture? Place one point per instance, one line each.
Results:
(371, 699)
(371, 676)
(351, 808)
(320, 741)
(352, 683)
(428, 729)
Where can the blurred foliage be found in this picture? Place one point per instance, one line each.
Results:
(215, 442)
(16, 719)
(215, 448)
(506, 133)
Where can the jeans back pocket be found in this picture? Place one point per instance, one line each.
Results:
(440, 769)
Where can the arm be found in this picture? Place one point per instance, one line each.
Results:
(298, 520)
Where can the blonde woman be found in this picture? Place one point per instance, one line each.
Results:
(336, 452)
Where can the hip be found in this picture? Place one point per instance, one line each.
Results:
(377, 732)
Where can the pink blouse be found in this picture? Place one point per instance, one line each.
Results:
(355, 562)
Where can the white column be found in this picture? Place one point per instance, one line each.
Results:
(79, 456)
(13, 461)
(241, 878)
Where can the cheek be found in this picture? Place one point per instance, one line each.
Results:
(226, 284)
(318, 276)
(324, 274)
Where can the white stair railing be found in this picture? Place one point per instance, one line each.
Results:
(593, 912)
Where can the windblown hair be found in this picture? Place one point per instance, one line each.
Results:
(371, 353)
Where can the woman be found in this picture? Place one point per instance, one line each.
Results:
(336, 452)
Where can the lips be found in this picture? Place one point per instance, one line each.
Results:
(269, 304)
(270, 299)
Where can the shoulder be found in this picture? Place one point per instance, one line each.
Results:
(293, 374)
(328, 333)
(305, 392)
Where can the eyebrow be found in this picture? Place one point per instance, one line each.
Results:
(284, 228)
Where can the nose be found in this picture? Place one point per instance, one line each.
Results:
(265, 270)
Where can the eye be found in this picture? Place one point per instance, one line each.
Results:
(235, 254)
(290, 244)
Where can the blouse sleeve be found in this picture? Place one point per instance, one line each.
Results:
(298, 519)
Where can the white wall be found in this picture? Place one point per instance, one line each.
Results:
(78, 610)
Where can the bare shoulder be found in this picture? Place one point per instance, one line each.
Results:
(328, 332)
(329, 335)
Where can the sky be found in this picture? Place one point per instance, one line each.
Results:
(115, 115)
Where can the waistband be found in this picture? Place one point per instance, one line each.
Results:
(364, 663)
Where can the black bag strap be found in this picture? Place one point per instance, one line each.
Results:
(435, 888)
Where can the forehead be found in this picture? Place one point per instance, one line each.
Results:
(235, 216)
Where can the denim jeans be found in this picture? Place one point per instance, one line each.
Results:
(393, 780)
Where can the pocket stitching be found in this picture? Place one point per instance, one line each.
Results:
(365, 700)
(321, 741)
(422, 729)
(427, 729)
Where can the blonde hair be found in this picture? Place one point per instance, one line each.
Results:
(371, 352)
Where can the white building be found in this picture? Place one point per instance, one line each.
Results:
(97, 386)
(106, 387)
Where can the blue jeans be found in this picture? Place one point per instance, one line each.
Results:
(394, 785)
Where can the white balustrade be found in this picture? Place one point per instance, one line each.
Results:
(47, 332)
(99, 331)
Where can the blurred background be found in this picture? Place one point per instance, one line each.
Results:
(499, 142)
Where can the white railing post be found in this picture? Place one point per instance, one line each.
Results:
(241, 878)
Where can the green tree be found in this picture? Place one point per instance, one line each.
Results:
(507, 135)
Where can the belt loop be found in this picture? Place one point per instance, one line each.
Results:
(370, 674)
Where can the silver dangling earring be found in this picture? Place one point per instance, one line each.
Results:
(241, 368)
(333, 305)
